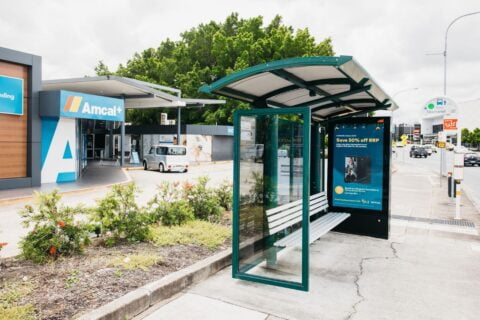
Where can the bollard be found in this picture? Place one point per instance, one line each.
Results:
(450, 185)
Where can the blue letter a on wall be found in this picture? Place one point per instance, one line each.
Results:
(67, 154)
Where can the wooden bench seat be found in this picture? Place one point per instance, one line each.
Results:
(287, 215)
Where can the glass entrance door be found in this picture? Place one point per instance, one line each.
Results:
(271, 196)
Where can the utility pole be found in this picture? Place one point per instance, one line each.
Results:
(458, 157)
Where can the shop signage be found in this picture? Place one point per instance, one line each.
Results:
(440, 105)
(11, 95)
(87, 106)
(450, 124)
(358, 166)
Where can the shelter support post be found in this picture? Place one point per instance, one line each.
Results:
(315, 174)
(270, 174)
(122, 143)
(322, 158)
(179, 115)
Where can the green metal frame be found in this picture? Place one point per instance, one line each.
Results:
(274, 65)
(236, 272)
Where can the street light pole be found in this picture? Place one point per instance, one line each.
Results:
(458, 165)
(445, 51)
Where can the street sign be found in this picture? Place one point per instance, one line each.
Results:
(441, 144)
(450, 124)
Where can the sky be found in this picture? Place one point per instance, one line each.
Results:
(393, 40)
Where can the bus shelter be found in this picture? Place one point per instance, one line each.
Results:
(285, 194)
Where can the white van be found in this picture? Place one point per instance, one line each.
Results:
(166, 157)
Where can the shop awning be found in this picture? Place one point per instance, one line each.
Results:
(333, 87)
(137, 94)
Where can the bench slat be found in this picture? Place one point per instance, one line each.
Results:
(296, 237)
(293, 204)
(296, 211)
(318, 228)
(291, 219)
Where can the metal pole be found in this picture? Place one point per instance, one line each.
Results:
(179, 115)
(459, 131)
(122, 143)
(459, 186)
(445, 51)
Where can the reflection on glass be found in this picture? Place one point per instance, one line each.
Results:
(270, 175)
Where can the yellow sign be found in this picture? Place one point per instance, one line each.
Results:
(404, 137)
(441, 144)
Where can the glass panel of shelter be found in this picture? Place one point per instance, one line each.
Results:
(271, 172)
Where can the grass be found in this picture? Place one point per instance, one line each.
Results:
(10, 309)
(135, 261)
(197, 232)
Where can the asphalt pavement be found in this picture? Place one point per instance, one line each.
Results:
(471, 182)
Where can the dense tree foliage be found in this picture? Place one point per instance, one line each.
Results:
(471, 138)
(209, 52)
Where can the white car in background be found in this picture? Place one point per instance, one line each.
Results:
(430, 149)
(166, 158)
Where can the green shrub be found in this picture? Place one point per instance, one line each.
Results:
(210, 235)
(175, 213)
(224, 194)
(168, 207)
(203, 200)
(119, 217)
(55, 231)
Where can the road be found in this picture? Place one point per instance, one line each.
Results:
(11, 229)
(471, 182)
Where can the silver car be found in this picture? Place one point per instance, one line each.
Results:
(166, 158)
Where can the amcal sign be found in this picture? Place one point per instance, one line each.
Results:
(88, 106)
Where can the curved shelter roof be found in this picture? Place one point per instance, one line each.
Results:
(333, 87)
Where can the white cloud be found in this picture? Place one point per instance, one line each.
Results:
(389, 38)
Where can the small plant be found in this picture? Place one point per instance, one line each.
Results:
(224, 194)
(118, 216)
(168, 208)
(72, 279)
(10, 306)
(210, 235)
(135, 261)
(55, 231)
(2, 244)
(203, 200)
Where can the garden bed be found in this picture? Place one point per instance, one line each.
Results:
(72, 285)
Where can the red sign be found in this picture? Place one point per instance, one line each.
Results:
(450, 124)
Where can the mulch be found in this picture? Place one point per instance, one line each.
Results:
(73, 285)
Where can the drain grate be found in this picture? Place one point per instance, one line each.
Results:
(459, 223)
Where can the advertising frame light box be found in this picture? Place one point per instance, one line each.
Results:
(359, 152)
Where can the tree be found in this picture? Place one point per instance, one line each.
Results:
(466, 136)
(209, 52)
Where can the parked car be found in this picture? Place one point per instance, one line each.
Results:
(417, 151)
(430, 149)
(461, 149)
(165, 157)
(471, 159)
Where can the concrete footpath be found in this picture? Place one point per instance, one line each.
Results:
(428, 269)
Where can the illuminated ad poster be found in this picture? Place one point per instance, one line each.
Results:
(358, 165)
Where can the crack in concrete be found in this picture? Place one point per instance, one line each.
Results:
(360, 274)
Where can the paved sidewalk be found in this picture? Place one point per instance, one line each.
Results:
(428, 269)
(94, 176)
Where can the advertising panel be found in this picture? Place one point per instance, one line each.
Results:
(358, 165)
(87, 106)
(11, 95)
